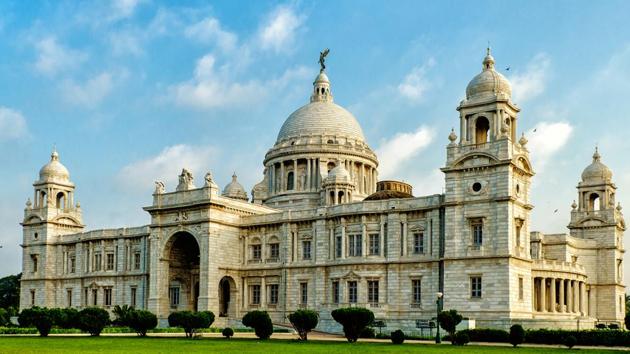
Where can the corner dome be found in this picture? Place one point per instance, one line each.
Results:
(597, 172)
(488, 83)
(235, 190)
(54, 170)
(339, 173)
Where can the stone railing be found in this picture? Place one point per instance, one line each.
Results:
(548, 265)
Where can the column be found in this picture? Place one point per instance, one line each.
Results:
(364, 238)
(361, 179)
(534, 295)
(263, 293)
(543, 297)
(282, 176)
(308, 174)
(332, 243)
(343, 241)
(569, 296)
(382, 240)
(583, 298)
(552, 295)
(295, 175)
(404, 238)
(245, 293)
(562, 302)
(576, 297)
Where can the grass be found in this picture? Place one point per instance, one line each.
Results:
(218, 345)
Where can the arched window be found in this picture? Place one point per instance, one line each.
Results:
(340, 200)
(482, 127)
(594, 202)
(332, 197)
(290, 181)
(61, 200)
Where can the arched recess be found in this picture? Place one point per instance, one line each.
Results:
(290, 180)
(482, 128)
(182, 253)
(594, 202)
(61, 200)
(228, 297)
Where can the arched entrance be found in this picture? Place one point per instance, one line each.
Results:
(227, 297)
(182, 251)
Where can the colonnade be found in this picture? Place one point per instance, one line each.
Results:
(558, 295)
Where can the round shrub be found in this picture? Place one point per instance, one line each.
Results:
(65, 318)
(570, 341)
(398, 337)
(304, 321)
(461, 338)
(93, 320)
(227, 332)
(122, 314)
(37, 317)
(368, 332)
(260, 322)
(517, 335)
(191, 321)
(141, 321)
(449, 321)
(354, 321)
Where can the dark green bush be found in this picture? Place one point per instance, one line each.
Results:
(486, 335)
(141, 321)
(600, 326)
(260, 322)
(449, 321)
(398, 337)
(627, 320)
(227, 332)
(605, 337)
(66, 318)
(93, 320)
(613, 326)
(122, 314)
(354, 321)
(304, 321)
(460, 338)
(38, 317)
(191, 321)
(570, 341)
(5, 318)
(517, 335)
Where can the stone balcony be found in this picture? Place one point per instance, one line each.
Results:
(546, 266)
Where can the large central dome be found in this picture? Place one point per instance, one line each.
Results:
(321, 118)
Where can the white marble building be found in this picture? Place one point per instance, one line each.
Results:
(320, 232)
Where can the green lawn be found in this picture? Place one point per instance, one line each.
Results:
(219, 345)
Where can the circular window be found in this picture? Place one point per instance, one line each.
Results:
(476, 186)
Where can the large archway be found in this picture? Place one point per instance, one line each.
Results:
(182, 251)
(227, 297)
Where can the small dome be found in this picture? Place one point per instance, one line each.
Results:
(391, 190)
(597, 172)
(339, 172)
(54, 170)
(235, 190)
(488, 83)
(322, 77)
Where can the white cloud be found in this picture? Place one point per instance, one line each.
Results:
(403, 146)
(531, 83)
(166, 166)
(121, 9)
(545, 140)
(53, 57)
(209, 31)
(12, 124)
(278, 33)
(415, 83)
(90, 93)
(126, 43)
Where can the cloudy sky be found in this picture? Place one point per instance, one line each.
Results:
(131, 91)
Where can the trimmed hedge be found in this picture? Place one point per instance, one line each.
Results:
(260, 322)
(304, 321)
(191, 321)
(398, 337)
(93, 320)
(593, 337)
(354, 321)
(486, 335)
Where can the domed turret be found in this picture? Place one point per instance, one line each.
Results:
(54, 171)
(596, 172)
(489, 83)
(235, 190)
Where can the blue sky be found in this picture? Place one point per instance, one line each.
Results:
(131, 91)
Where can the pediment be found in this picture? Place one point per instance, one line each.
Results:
(351, 275)
(475, 159)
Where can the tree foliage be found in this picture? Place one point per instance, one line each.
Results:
(227, 332)
(304, 321)
(38, 317)
(10, 291)
(191, 321)
(517, 335)
(260, 322)
(398, 337)
(141, 321)
(449, 321)
(354, 321)
(92, 320)
(122, 314)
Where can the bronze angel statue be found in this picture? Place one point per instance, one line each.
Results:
(322, 59)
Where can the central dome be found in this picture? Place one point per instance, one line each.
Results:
(321, 118)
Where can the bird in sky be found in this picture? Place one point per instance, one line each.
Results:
(507, 69)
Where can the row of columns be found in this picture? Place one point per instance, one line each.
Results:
(557, 295)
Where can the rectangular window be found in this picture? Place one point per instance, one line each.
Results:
(475, 287)
(134, 293)
(94, 297)
(477, 231)
(109, 261)
(520, 288)
(256, 252)
(32, 297)
(373, 291)
(306, 249)
(136, 260)
(355, 245)
(375, 244)
(418, 243)
(72, 264)
(69, 297)
(274, 251)
(303, 293)
(273, 294)
(97, 262)
(352, 292)
(335, 292)
(34, 259)
(255, 292)
(338, 243)
(173, 296)
(416, 291)
(107, 296)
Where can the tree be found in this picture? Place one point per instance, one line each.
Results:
(398, 337)
(304, 321)
(141, 321)
(449, 321)
(570, 341)
(93, 320)
(260, 322)
(4, 317)
(227, 332)
(37, 317)
(65, 318)
(191, 321)
(517, 335)
(10, 291)
(627, 320)
(354, 320)
(122, 314)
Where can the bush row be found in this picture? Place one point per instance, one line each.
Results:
(593, 337)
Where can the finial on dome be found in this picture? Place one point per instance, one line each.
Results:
(488, 61)
(54, 156)
(596, 155)
(523, 140)
(234, 176)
